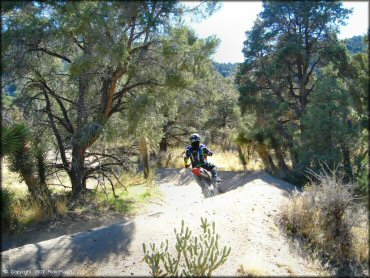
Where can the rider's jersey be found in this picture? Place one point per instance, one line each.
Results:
(196, 155)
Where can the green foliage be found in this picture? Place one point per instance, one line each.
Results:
(88, 133)
(356, 44)
(196, 255)
(15, 145)
(361, 170)
(30, 163)
(42, 166)
(165, 115)
(223, 112)
(22, 162)
(13, 139)
(78, 56)
(308, 93)
(326, 122)
(226, 69)
(8, 220)
(78, 64)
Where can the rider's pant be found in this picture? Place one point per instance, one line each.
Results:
(212, 168)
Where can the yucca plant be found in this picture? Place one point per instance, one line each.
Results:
(7, 202)
(29, 163)
(13, 139)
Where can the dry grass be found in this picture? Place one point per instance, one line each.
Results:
(61, 206)
(225, 161)
(18, 210)
(131, 179)
(140, 191)
(12, 181)
(24, 210)
(328, 216)
(253, 269)
(288, 267)
(361, 243)
(27, 212)
(37, 214)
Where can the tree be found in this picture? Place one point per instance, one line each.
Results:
(283, 52)
(163, 114)
(76, 62)
(356, 79)
(224, 114)
(356, 44)
(226, 69)
(330, 136)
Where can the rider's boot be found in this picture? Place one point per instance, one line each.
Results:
(217, 182)
(215, 178)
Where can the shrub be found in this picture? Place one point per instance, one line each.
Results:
(8, 219)
(196, 256)
(328, 215)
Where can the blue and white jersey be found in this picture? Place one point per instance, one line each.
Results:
(196, 155)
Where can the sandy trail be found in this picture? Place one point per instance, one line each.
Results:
(244, 217)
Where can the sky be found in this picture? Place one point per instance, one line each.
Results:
(231, 21)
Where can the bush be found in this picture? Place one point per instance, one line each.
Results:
(328, 215)
(8, 219)
(196, 256)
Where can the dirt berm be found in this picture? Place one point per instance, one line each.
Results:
(244, 217)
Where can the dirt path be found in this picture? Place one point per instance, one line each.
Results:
(244, 217)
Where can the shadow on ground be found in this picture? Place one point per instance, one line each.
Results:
(94, 246)
(67, 225)
(176, 176)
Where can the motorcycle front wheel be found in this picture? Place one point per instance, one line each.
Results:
(208, 189)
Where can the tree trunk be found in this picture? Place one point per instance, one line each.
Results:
(280, 158)
(241, 156)
(144, 156)
(346, 163)
(163, 145)
(47, 201)
(290, 145)
(225, 141)
(207, 138)
(78, 170)
(40, 193)
(266, 158)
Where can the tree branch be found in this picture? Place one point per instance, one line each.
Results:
(52, 53)
(57, 135)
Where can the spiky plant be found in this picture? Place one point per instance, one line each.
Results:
(29, 163)
(13, 139)
(42, 166)
(7, 202)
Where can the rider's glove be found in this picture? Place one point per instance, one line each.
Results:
(187, 165)
(210, 153)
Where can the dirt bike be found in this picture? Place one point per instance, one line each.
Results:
(203, 177)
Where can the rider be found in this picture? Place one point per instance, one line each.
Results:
(197, 153)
